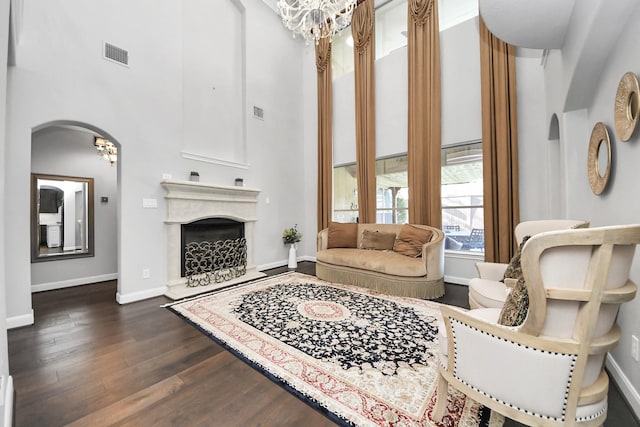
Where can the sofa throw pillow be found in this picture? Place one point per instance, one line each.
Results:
(514, 269)
(410, 240)
(377, 240)
(342, 235)
(516, 306)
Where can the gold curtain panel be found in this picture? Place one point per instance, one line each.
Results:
(325, 135)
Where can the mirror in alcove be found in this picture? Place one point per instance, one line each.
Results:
(61, 217)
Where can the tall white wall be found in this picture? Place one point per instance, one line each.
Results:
(5, 408)
(60, 75)
(581, 82)
(69, 152)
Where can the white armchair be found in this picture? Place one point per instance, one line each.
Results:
(549, 370)
(487, 290)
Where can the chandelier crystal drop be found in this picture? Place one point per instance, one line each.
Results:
(316, 19)
(106, 149)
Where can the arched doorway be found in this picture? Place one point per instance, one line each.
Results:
(71, 149)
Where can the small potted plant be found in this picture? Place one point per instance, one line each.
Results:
(291, 236)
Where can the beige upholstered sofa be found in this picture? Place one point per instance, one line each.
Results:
(386, 271)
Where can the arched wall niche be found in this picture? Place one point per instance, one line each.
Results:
(554, 128)
(214, 82)
(555, 180)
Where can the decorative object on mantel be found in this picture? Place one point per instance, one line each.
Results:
(215, 262)
(599, 173)
(291, 236)
(106, 149)
(625, 112)
(194, 176)
(361, 357)
(239, 182)
(316, 19)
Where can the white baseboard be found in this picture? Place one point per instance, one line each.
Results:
(7, 399)
(18, 321)
(140, 295)
(283, 262)
(457, 280)
(271, 265)
(626, 387)
(73, 282)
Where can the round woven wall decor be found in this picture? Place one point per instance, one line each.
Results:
(598, 178)
(626, 109)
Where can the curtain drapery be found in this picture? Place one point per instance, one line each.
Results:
(362, 29)
(424, 142)
(325, 136)
(499, 146)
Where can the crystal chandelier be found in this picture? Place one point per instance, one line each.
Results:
(106, 149)
(316, 19)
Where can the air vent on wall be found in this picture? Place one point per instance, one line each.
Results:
(115, 54)
(258, 113)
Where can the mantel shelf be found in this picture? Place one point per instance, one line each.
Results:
(198, 190)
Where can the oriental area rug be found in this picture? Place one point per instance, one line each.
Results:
(362, 358)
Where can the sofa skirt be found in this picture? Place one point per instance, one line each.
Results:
(414, 287)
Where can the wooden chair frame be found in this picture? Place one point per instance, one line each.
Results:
(580, 346)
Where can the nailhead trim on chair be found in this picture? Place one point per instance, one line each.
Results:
(573, 364)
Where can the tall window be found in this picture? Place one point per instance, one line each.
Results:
(392, 193)
(392, 190)
(462, 197)
(345, 193)
(391, 34)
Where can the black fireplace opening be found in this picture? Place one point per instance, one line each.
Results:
(208, 230)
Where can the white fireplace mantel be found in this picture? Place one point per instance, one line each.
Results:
(189, 201)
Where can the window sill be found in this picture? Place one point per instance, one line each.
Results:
(476, 256)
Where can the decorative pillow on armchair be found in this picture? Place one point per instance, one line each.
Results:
(342, 235)
(516, 306)
(514, 269)
(410, 240)
(377, 240)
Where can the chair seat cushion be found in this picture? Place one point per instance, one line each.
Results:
(387, 262)
(488, 293)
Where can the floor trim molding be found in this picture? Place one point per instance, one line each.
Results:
(624, 384)
(140, 295)
(456, 280)
(73, 282)
(7, 385)
(19, 321)
(282, 263)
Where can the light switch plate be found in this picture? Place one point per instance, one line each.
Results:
(150, 203)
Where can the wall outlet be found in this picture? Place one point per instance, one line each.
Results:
(634, 348)
(146, 273)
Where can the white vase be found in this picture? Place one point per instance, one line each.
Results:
(293, 260)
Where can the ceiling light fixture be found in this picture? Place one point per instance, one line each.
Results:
(106, 149)
(316, 19)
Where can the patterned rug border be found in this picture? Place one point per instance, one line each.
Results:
(255, 365)
(484, 413)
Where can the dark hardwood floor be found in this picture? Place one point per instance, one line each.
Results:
(88, 361)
